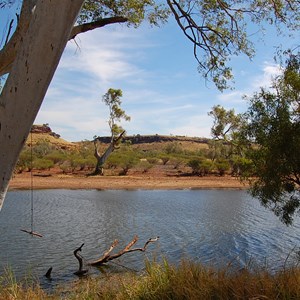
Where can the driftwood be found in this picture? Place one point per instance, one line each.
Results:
(32, 232)
(80, 271)
(107, 256)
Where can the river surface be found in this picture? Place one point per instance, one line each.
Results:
(214, 227)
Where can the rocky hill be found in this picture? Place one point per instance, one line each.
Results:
(43, 132)
(145, 142)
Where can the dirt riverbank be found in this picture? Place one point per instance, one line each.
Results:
(44, 181)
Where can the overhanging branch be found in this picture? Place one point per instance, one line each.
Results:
(96, 24)
(9, 51)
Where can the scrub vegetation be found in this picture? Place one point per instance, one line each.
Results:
(164, 281)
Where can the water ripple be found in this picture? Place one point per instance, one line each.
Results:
(211, 226)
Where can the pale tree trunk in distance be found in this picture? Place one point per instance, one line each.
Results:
(101, 159)
(29, 78)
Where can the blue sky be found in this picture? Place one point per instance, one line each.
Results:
(163, 92)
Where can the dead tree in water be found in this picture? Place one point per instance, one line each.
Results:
(106, 257)
(80, 271)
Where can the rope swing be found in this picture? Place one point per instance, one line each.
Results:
(31, 231)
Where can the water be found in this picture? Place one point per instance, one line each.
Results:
(215, 227)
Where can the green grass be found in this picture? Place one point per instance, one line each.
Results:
(164, 281)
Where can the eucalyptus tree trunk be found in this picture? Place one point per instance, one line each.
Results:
(101, 159)
(30, 75)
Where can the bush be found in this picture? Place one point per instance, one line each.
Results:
(222, 166)
(56, 156)
(173, 148)
(24, 161)
(165, 159)
(195, 165)
(43, 164)
(152, 160)
(200, 166)
(42, 148)
(145, 165)
(125, 160)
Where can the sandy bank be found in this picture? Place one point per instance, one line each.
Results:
(23, 181)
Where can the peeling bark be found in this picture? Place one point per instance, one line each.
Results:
(32, 70)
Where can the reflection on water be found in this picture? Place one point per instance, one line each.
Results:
(211, 226)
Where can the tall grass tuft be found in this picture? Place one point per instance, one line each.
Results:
(164, 281)
(194, 281)
(28, 289)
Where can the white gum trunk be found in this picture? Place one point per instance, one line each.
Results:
(30, 76)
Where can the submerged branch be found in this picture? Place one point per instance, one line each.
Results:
(80, 271)
(107, 256)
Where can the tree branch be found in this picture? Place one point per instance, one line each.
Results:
(107, 256)
(9, 51)
(80, 271)
(97, 24)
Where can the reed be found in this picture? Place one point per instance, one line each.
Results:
(164, 281)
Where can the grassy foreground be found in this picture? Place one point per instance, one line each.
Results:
(187, 281)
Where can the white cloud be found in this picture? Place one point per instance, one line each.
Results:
(252, 83)
(162, 91)
(269, 72)
(104, 55)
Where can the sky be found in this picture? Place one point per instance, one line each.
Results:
(163, 92)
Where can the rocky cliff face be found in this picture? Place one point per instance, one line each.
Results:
(147, 139)
(43, 129)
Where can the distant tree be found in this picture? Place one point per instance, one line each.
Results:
(274, 127)
(113, 101)
(226, 126)
(227, 140)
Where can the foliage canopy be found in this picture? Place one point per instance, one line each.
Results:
(274, 125)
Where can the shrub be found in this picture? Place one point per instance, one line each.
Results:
(165, 159)
(173, 148)
(222, 166)
(145, 166)
(24, 161)
(200, 166)
(43, 164)
(42, 148)
(195, 165)
(56, 156)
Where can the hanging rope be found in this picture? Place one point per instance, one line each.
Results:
(31, 193)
